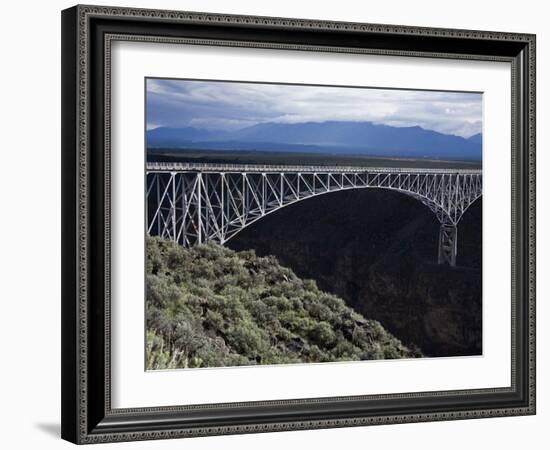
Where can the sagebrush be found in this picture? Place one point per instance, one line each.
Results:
(209, 306)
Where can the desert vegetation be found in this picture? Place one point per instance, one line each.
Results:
(210, 306)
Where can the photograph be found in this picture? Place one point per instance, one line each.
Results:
(300, 223)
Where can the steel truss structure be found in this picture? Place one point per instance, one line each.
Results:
(196, 203)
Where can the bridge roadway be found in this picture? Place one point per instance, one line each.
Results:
(193, 203)
(274, 168)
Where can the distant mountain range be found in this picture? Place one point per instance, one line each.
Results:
(332, 137)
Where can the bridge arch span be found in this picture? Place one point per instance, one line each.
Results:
(196, 203)
(425, 201)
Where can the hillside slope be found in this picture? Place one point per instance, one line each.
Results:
(210, 306)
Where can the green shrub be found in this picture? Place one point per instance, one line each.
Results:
(209, 306)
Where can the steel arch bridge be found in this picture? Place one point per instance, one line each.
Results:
(193, 203)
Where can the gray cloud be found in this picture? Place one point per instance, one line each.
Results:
(228, 105)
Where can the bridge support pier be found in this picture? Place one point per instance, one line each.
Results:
(447, 244)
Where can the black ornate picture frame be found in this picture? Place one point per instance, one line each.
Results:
(87, 35)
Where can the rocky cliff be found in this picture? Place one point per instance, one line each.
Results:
(378, 251)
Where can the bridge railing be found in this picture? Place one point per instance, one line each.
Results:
(214, 167)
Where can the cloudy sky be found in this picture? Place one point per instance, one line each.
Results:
(227, 106)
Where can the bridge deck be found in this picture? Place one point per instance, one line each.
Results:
(210, 167)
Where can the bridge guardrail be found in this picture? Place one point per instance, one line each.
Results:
(214, 167)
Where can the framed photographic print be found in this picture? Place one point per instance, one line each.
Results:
(268, 222)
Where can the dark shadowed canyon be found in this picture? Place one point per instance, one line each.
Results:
(378, 251)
